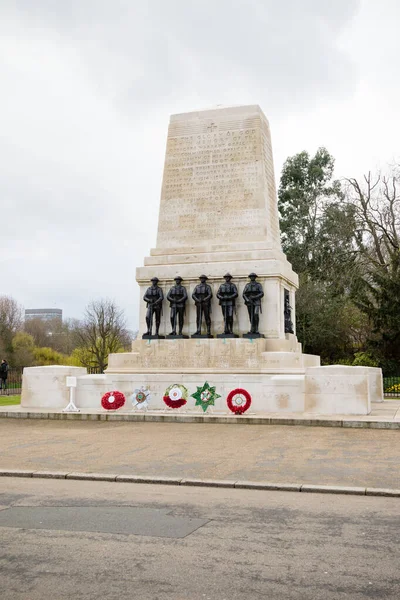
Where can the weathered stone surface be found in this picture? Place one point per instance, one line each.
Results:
(341, 389)
(209, 356)
(218, 185)
(46, 386)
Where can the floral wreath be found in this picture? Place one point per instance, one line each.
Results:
(113, 400)
(175, 395)
(205, 396)
(140, 398)
(238, 401)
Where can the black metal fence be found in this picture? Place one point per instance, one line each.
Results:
(391, 386)
(94, 371)
(13, 384)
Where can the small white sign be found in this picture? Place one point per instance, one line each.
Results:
(71, 381)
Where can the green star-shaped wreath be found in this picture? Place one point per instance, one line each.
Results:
(205, 396)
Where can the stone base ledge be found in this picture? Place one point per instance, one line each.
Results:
(311, 391)
(304, 420)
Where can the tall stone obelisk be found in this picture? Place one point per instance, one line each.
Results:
(218, 186)
(218, 213)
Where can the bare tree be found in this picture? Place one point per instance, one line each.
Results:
(102, 331)
(10, 322)
(40, 330)
(56, 334)
(376, 202)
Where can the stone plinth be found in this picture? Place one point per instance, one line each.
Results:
(338, 389)
(307, 390)
(46, 386)
(211, 356)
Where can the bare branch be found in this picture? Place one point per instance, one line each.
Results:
(102, 332)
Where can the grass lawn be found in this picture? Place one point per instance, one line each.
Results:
(9, 400)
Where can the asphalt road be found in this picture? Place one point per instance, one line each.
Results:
(84, 540)
(275, 453)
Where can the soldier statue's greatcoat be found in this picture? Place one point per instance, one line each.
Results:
(288, 314)
(202, 297)
(227, 294)
(153, 297)
(177, 297)
(252, 295)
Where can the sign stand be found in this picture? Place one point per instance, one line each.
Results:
(71, 407)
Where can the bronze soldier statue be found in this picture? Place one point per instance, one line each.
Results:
(288, 314)
(252, 295)
(227, 294)
(154, 297)
(177, 297)
(202, 297)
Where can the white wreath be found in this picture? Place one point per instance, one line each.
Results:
(141, 404)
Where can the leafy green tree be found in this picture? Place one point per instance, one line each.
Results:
(317, 237)
(23, 347)
(306, 190)
(365, 359)
(48, 356)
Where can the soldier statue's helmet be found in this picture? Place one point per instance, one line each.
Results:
(178, 278)
(203, 277)
(228, 275)
(155, 279)
(252, 275)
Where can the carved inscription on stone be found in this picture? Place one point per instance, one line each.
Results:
(218, 179)
(194, 354)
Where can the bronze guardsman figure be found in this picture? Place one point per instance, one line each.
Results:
(202, 297)
(288, 314)
(154, 297)
(227, 294)
(252, 295)
(177, 297)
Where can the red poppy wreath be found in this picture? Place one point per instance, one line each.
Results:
(238, 401)
(113, 400)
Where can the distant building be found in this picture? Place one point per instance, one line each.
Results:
(44, 314)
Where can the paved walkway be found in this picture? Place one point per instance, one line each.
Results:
(275, 453)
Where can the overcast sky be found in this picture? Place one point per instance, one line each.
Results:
(87, 87)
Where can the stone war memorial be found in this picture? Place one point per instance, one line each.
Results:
(217, 294)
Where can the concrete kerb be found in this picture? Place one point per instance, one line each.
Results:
(215, 483)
